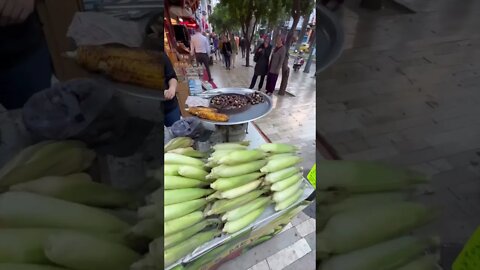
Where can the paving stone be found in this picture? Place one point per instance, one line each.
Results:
(287, 256)
(263, 265)
(307, 262)
(306, 227)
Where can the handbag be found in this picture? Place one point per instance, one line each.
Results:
(256, 56)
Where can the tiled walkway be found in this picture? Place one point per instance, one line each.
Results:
(291, 121)
(406, 91)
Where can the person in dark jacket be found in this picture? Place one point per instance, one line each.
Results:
(227, 52)
(243, 46)
(261, 57)
(25, 63)
(171, 108)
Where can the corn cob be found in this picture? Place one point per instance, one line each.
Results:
(147, 228)
(178, 182)
(213, 116)
(245, 209)
(284, 184)
(241, 156)
(289, 201)
(195, 110)
(189, 152)
(236, 170)
(192, 172)
(172, 158)
(241, 190)
(278, 164)
(222, 206)
(224, 184)
(178, 142)
(180, 236)
(146, 74)
(238, 224)
(278, 148)
(183, 195)
(178, 210)
(173, 254)
(179, 224)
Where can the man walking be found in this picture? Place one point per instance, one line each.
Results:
(200, 47)
(243, 46)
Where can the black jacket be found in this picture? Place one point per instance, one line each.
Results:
(263, 59)
(226, 48)
(18, 41)
(169, 74)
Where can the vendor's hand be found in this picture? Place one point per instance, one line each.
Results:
(170, 94)
(15, 11)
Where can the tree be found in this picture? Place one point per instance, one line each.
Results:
(221, 19)
(248, 14)
(297, 9)
(303, 31)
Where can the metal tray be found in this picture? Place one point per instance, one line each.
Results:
(330, 38)
(253, 113)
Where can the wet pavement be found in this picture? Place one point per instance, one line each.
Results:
(291, 121)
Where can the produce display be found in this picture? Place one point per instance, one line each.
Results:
(365, 218)
(226, 102)
(127, 65)
(256, 98)
(53, 214)
(228, 186)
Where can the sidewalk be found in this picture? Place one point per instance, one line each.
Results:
(291, 121)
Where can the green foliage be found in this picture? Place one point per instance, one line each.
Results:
(222, 19)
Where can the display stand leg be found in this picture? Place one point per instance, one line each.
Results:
(227, 133)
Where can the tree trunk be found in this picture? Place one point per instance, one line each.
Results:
(249, 38)
(285, 68)
(302, 32)
(310, 59)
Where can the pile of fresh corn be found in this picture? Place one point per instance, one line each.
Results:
(183, 200)
(366, 218)
(283, 176)
(51, 214)
(238, 184)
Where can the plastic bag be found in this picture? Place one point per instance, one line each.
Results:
(67, 109)
(188, 127)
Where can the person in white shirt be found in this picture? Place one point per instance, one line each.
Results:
(200, 47)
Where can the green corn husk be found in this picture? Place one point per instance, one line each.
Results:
(246, 209)
(169, 169)
(222, 206)
(238, 224)
(183, 195)
(77, 188)
(362, 227)
(176, 225)
(189, 152)
(388, 255)
(22, 157)
(54, 159)
(359, 201)
(287, 193)
(172, 158)
(286, 183)
(278, 148)
(363, 176)
(239, 191)
(149, 228)
(27, 210)
(288, 202)
(175, 253)
(278, 164)
(224, 184)
(241, 156)
(193, 172)
(282, 174)
(427, 262)
(224, 171)
(178, 182)
(173, 239)
(26, 245)
(231, 146)
(179, 142)
(83, 252)
(178, 210)
(19, 266)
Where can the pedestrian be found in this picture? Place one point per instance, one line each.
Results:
(200, 47)
(233, 43)
(227, 52)
(171, 108)
(25, 63)
(215, 45)
(261, 58)
(276, 63)
(243, 46)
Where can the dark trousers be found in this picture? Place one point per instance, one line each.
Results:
(227, 60)
(244, 51)
(254, 81)
(202, 58)
(172, 116)
(271, 82)
(27, 77)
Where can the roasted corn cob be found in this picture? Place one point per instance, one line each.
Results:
(195, 110)
(146, 74)
(212, 116)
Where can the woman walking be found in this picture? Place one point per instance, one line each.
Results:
(261, 57)
(233, 42)
(276, 64)
(226, 51)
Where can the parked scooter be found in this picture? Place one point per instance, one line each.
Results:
(298, 62)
